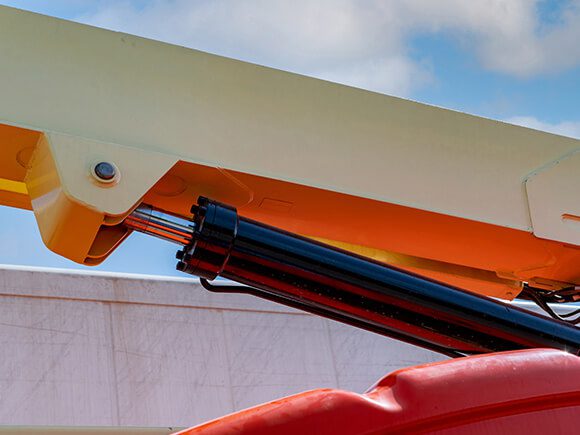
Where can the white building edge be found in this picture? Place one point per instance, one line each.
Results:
(104, 349)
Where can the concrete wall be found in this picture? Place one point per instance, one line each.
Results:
(106, 349)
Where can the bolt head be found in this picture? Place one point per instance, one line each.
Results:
(105, 172)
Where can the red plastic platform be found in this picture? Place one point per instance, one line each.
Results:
(522, 392)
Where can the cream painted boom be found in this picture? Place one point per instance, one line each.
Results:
(110, 87)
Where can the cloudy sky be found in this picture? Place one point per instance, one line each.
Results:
(514, 60)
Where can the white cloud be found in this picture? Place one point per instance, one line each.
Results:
(358, 42)
(333, 39)
(566, 128)
(534, 48)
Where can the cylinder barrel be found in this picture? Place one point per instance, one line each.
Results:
(337, 284)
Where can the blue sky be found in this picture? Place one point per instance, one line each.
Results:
(513, 60)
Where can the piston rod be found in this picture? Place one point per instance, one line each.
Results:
(309, 275)
(157, 223)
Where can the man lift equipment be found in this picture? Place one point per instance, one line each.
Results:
(397, 217)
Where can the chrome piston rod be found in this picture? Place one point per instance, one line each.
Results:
(163, 225)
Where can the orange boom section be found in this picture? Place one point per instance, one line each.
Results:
(18, 145)
(484, 258)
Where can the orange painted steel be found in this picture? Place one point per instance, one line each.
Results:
(509, 392)
(484, 258)
(17, 146)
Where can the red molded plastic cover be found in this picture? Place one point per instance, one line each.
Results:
(530, 391)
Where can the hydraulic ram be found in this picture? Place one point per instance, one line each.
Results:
(305, 274)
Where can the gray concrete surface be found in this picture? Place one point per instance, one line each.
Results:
(101, 349)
